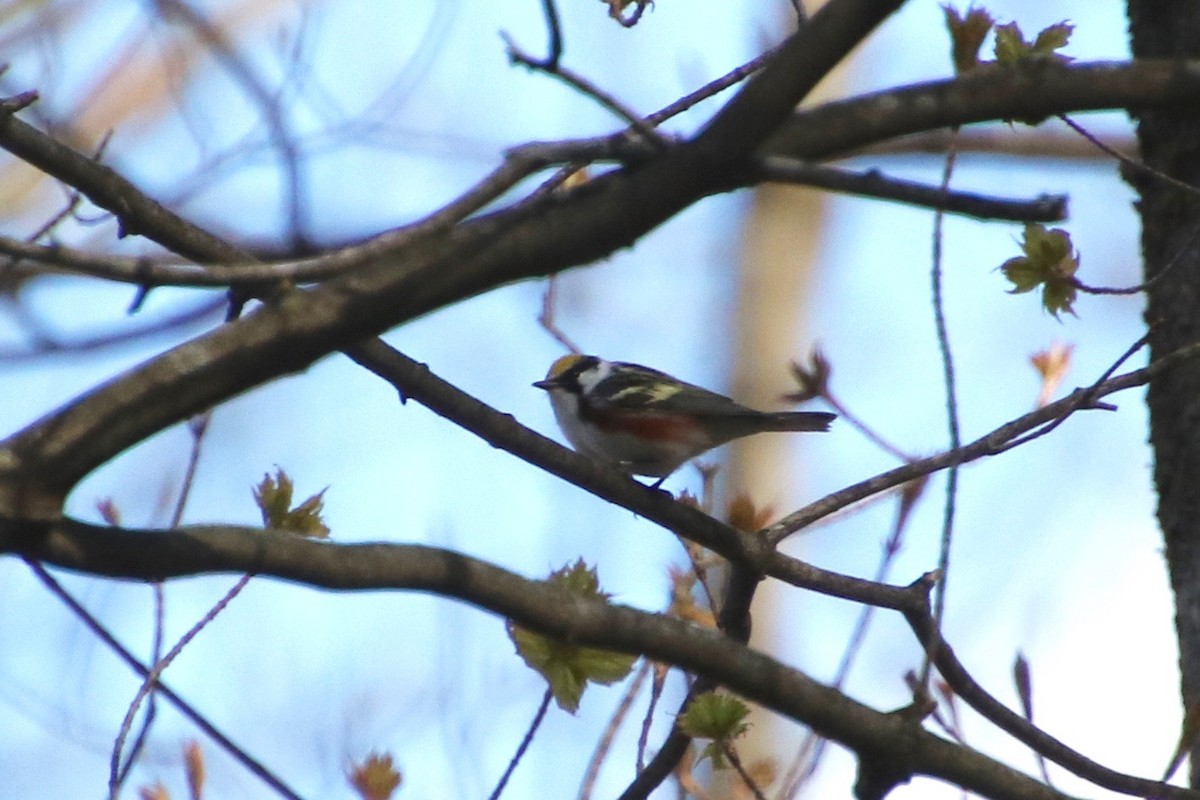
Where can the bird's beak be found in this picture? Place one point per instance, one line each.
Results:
(547, 384)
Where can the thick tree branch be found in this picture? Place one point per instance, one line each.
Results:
(1038, 740)
(137, 213)
(39, 466)
(1168, 203)
(154, 555)
(979, 96)
(770, 96)
(414, 380)
(409, 272)
(536, 238)
(152, 272)
(1025, 91)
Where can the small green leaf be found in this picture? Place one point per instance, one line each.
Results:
(1051, 39)
(1024, 276)
(578, 578)
(1059, 297)
(966, 35)
(1012, 47)
(1010, 44)
(568, 668)
(715, 716)
(1049, 261)
(273, 495)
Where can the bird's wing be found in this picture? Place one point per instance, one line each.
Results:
(627, 392)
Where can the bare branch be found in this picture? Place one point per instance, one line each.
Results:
(518, 56)
(955, 674)
(768, 99)
(536, 723)
(538, 605)
(1046, 208)
(180, 705)
(988, 444)
(982, 95)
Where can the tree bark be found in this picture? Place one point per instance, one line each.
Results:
(1170, 143)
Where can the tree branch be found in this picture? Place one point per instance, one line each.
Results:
(770, 96)
(989, 444)
(1046, 208)
(988, 93)
(132, 559)
(1041, 742)
(535, 238)
(155, 555)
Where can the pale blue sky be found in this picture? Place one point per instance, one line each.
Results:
(1057, 554)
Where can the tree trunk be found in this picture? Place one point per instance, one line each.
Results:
(1170, 143)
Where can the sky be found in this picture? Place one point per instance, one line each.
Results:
(404, 105)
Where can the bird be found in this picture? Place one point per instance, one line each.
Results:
(647, 422)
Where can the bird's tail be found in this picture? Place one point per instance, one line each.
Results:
(800, 420)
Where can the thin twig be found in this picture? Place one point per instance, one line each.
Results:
(751, 784)
(152, 676)
(1086, 400)
(1023, 680)
(856, 422)
(44, 344)
(656, 690)
(610, 731)
(712, 88)
(518, 56)
(524, 745)
(74, 196)
(554, 28)
(181, 705)
(143, 734)
(991, 709)
(943, 340)
(733, 621)
(580, 152)
(547, 316)
(991, 443)
(699, 569)
(951, 722)
(1184, 249)
(150, 272)
(808, 756)
(1132, 163)
(1136, 165)
(197, 428)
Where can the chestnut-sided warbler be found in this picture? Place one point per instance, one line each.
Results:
(647, 422)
